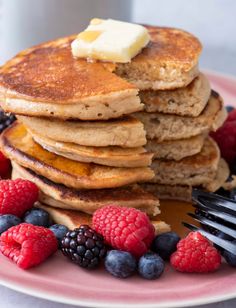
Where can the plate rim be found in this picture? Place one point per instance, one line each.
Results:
(107, 304)
(88, 303)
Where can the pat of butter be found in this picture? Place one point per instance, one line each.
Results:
(110, 40)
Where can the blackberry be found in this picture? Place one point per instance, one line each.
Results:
(84, 246)
(6, 120)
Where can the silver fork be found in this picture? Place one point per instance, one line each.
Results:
(222, 214)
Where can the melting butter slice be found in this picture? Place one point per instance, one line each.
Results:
(110, 40)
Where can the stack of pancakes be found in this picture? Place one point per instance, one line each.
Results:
(87, 132)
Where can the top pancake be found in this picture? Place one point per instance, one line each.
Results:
(47, 81)
(45, 76)
(168, 62)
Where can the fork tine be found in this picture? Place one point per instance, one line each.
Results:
(225, 216)
(229, 246)
(222, 204)
(215, 199)
(218, 206)
(214, 224)
(190, 226)
(198, 193)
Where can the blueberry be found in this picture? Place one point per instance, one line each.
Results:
(8, 221)
(229, 257)
(165, 244)
(59, 231)
(37, 217)
(151, 266)
(120, 263)
(229, 108)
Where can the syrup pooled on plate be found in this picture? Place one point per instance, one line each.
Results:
(174, 213)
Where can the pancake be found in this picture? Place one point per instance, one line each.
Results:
(192, 171)
(221, 178)
(47, 81)
(108, 156)
(169, 61)
(19, 146)
(125, 132)
(88, 201)
(170, 192)
(184, 192)
(175, 149)
(186, 101)
(172, 127)
(74, 219)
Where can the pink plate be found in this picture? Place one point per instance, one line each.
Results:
(59, 280)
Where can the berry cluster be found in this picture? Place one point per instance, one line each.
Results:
(130, 232)
(25, 237)
(123, 237)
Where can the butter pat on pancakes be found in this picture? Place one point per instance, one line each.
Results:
(110, 40)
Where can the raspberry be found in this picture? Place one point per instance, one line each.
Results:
(28, 245)
(17, 196)
(5, 166)
(195, 254)
(125, 229)
(232, 116)
(225, 137)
